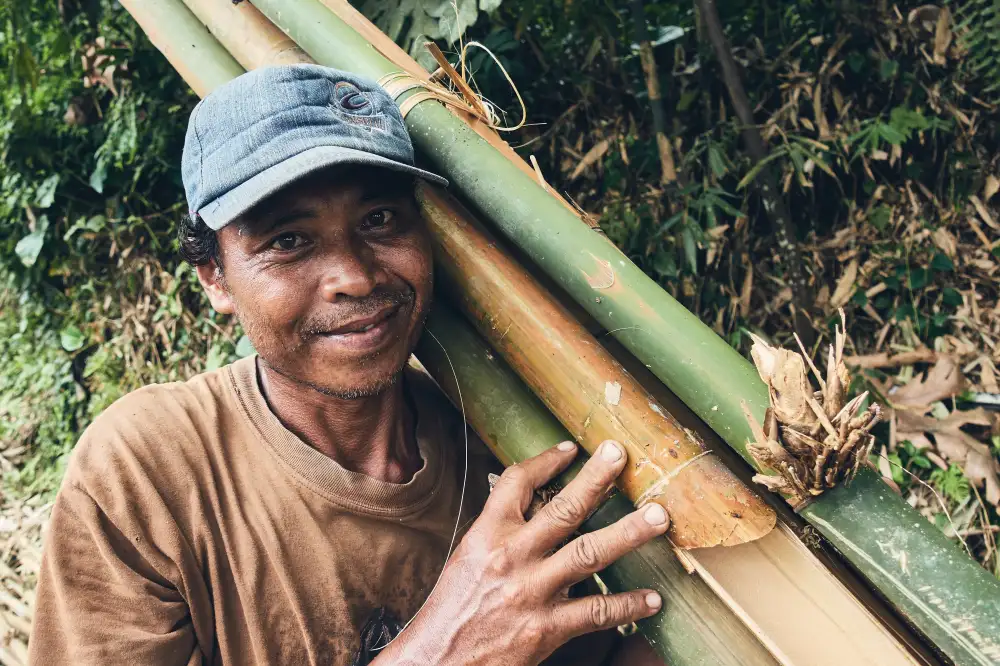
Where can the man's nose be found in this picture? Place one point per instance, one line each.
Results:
(351, 271)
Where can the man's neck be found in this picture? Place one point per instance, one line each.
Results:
(373, 436)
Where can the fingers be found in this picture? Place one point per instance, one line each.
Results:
(592, 552)
(599, 611)
(512, 493)
(564, 513)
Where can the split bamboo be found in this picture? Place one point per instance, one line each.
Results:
(945, 594)
(805, 618)
(695, 628)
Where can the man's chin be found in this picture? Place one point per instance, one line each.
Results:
(358, 391)
(363, 383)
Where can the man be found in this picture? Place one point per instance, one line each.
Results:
(299, 506)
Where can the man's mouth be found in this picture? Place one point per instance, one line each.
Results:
(365, 324)
(365, 334)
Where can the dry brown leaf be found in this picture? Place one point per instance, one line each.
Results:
(984, 213)
(845, 285)
(943, 380)
(942, 36)
(945, 241)
(593, 155)
(991, 187)
(955, 445)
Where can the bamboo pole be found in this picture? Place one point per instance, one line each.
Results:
(202, 62)
(248, 36)
(583, 386)
(821, 622)
(695, 628)
(900, 553)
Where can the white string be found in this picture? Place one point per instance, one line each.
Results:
(461, 498)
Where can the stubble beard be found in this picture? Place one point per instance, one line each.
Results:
(373, 388)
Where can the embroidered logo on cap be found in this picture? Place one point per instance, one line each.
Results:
(354, 106)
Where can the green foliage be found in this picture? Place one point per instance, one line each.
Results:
(93, 299)
(978, 26)
(951, 483)
(411, 23)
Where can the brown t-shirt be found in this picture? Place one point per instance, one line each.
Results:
(193, 528)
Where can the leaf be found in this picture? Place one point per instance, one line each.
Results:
(690, 249)
(845, 285)
(29, 247)
(244, 347)
(956, 445)
(596, 152)
(99, 175)
(757, 168)
(489, 6)
(46, 193)
(71, 338)
(942, 36)
(717, 161)
(667, 33)
(216, 358)
(943, 380)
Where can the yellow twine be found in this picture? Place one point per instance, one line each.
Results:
(397, 83)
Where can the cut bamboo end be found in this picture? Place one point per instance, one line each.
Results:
(587, 390)
(712, 501)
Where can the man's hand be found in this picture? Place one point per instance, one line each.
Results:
(502, 597)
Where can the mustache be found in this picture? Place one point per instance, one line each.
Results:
(352, 308)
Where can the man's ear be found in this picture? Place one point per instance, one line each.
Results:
(210, 276)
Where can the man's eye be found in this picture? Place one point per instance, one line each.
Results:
(287, 242)
(379, 219)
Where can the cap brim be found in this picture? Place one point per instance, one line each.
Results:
(239, 200)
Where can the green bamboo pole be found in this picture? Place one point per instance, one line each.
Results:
(946, 595)
(695, 627)
(200, 59)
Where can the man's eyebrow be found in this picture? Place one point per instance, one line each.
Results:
(265, 221)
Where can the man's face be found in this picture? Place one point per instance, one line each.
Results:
(331, 279)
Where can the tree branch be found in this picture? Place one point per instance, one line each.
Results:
(767, 180)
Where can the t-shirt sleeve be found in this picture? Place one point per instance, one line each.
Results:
(99, 601)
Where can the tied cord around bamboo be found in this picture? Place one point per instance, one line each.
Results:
(469, 101)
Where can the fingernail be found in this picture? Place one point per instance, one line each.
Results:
(653, 600)
(610, 451)
(654, 514)
(566, 446)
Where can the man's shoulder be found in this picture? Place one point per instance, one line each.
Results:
(156, 425)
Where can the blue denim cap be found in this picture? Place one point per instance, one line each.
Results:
(270, 127)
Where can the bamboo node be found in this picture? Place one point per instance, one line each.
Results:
(811, 440)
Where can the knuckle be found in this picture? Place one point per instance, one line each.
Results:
(629, 533)
(499, 561)
(514, 475)
(564, 511)
(601, 611)
(586, 555)
(535, 630)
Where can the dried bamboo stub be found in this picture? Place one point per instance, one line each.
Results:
(812, 439)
